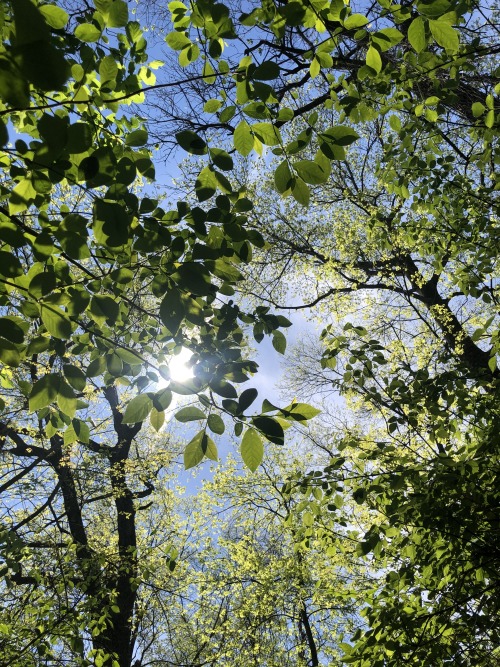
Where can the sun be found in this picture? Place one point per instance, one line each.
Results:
(179, 370)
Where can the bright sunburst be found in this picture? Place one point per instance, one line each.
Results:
(179, 370)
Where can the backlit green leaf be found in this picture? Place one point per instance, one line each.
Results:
(283, 178)
(117, 16)
(56, 321)
(177, 40)
(270, 428)
(66, 399)
(243, 138)
(87, 32)
(266, 133)
(55, 16)
(9, 353)
(75, 376)
(216, 424)
(445, 35)
(279, 342)
(252, 449)
(311, 172)
(191, 142)
(138, 409)
(157, 419)
(137, 138)
(301, 192)
(13, 328)
(416, 34)
(189, 413)
(44, 392)
(193, 454)
(172, 310)
(373, 59)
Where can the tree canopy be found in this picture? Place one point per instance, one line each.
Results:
(342, 161)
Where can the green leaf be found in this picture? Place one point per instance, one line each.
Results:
(434, 8)
(279, 342)
(104, 309)
(96, 367)
(211, 106)
(75, 376)
(10, 266)
(129, 356)
(216, 424)
(243, 138)
(42, 284)
(22, 196)
(14, 89)
(395, 123)
(185, 388)
(137, 138)
(208, 74)
(283, 178)
(117, 16)
(252, 449)
(13, 328)
(162, 399)
(206, 184)
(314, 68)
(87, 32)
(80, 138)
(193, 454)
(222, 182)
(99, 168)
(193, 276)
(191, 142)
(177, 40)
(81, 429)
(172, 311)
(270, 428)
(227, 113)
(108, 69)
(478, 109)
(9, 353)
(70, 436)
(56, 321)
(157, 419)
(56, 17)
(355, 21)
(416, 34)
(189, 414)
(301, 192)
(386, 38)
(44, 392)
(340, 135)
(209, 448)
(266, 133)
(373, 59)
(66, 399)
(311, 172)
(246, 399)
(301, 411)
(138, 409)
(221, 159)
(445, 35)
(189, 55)
(114, 365)
(266, 71)
(111, 223)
